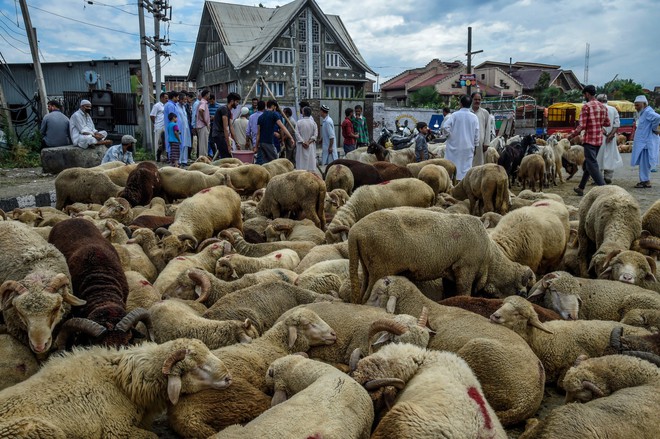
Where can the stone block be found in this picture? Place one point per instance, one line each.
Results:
(54, 160)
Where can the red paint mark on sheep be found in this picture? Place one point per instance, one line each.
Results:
(144, 283)
(180, 258)
(385, 182)
(279, 255)
(476, 396)
(203, 191)
(541, 204)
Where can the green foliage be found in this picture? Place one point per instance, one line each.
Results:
(141, 155)
(425, 97)
(21, 154)
(623, 89)
(574, 96)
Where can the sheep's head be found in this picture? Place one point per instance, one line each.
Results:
(40, 301)
(629, 267)
(515, 278)
(190, 367)
(387, 290)
(582, 383)
(173, 245)
(244, 331)
(307, 329)
(333, 201)
(644, 318)
(288, 375)
(401, 328)
(517, 313)
(31, 217)
(560, 292)
(279, 230)
(490, 219)
(193, 283)
(116, 208)
(224, 269)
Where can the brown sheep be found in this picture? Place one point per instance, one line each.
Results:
(298, 192)
(532, 170)
(487, 188)
(390, 171)
(142, 184)
(436, 177)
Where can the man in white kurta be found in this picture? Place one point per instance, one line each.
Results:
(307, 132)
(608, 156)
(81, 126)
(484, 129)
(463, 130)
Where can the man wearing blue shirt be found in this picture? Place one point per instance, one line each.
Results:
(121, 153)
(646, 141)
(266, 132)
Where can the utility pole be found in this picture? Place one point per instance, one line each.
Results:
(34, 50)
(469, 57)
(146, 94)
(586, 65)
(160, 10)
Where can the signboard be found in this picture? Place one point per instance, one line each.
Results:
(395, 117)
(468, 80)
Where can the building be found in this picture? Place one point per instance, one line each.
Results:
(300, 52)
(178, 83)
(528, 74)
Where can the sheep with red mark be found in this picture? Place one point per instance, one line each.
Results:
(438, 395)
(17, 362)
(390, 171)
(262, 249)
(363, 173)
(235, 266)
(96, 277)
(142, 185)
(141, 293)
(35, 294)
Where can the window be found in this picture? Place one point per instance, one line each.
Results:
(303, 82)
(302, 28)
(329, 39)
(336, 61)
(302, 48)
(339, 91)
(316, 31)
(277, 88)
(483, 76)
(215, 58)
(279, 56)
(232, 87)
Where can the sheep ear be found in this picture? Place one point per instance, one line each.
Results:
(278, 397)
(293, 335)
(391, 305)
(606, 273)
(384, 338)
(653, 267)
(173, 388)
(355, 359)
(534, 321)
(247, 324)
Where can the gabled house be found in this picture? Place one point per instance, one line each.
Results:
(300, 51)
(528, 74)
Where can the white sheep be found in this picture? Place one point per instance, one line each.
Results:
(17, 362)
(235, 266)
(284, 229)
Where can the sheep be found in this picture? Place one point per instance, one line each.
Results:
(227, 161)
(142, 184)
(390, 171)
(254, 229)
(644, 318)
(201, 285)
(462, 252)
(536, 196)
(595, 299)
(491, 155)
(258, 250)
(558, 342)
(178, 183)
(246, 179)
(486, 188)
(17, 362)
(557, 153)
(83, 185)
(436, 177)
(355, 154)
(133, 258)
(448, 165)
(400, 157)
(535, 236)
(610, 220)
(441, 397)
(548, 155)
(119, 392)
(511, 375)
(277, 167)
(485, 307)
(316, 399)
(35, 294)
(339, 177)
(401, 192)
(173, 319)
(96, 277)
(651, 219)
(631, 267)
(363, 173)
(510, 159)
(284, 229)
(297, 333)
(141, 293)
(573, 160)
(491, 219)
(119, 174)
(627, 395)
(235, 266)
(532, 170)
(333, 201)
(323, 253)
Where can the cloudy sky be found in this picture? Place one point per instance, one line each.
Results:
(392, 35)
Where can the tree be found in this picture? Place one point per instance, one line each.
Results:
(574, 96)
(549, 96)
(425, 97)
(624, 89)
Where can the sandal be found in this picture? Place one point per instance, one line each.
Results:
(643, 185)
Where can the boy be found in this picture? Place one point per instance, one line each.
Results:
(174, 140)
(421, 147)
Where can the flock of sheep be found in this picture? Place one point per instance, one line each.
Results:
(388, 301)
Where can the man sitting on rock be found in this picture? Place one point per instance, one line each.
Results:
(55, 127)
(121, 153)
(83, 133)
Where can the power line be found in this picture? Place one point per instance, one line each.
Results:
(22, 51)
(11, 28)
(85, 23)
(13, 38)
(91, 2)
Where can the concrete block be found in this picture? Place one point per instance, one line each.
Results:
(54, 160)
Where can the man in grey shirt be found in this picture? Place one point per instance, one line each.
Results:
(55, 127)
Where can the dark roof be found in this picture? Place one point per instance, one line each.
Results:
(529, 77)
(430, 81)
(399, 83)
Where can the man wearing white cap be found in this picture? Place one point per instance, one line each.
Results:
(240, 128)
(646, 142)
(608, 156)
(83, 133)
(121, 153)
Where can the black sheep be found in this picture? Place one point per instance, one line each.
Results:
(363, 173)
(510, 160)
(142, 184)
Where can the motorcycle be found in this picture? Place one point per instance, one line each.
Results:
(396, 141)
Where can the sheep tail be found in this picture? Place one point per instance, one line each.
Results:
(501, 195)
(353, 265)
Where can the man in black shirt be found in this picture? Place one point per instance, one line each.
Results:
(223, 131)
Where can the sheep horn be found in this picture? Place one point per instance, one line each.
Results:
(110, 226)
(355, 358)
(388, 325)
(133, 318)
(383, 382)
(172, 360)
(593, 388)
(162, 231)
(579, 360)
(57, 282)
(3, 214)
(188, 237)
(77, 324)
(8, 290)
(202, 245)
(129, 232)
(650, 243)
(423, 318)
(201, 278)
(648, 356)
(609, 257)
(615, 338)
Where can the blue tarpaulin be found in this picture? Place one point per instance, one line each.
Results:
(436, 118)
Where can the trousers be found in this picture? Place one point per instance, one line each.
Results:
(590, 166)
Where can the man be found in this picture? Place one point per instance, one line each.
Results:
(493, 134)
(223, 131)
(593, 118)
(306, 134)
(55, 127)
(81, 127)
(421, 146)
(170, 108)
(158, 121)
(213, 107)
(646, 142)
(251, 131)
(328, 150)
(203, 124)
(240, 126)
(196, 98)
(462, 129)
(484, 129)
(446, 112)
(255, 103)
(348, 132)
(184, 129)
(122, 152)
(266, 132)
(608, 157)
(360, 127)
(289, 145)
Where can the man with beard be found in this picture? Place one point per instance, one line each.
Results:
(83, 133)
